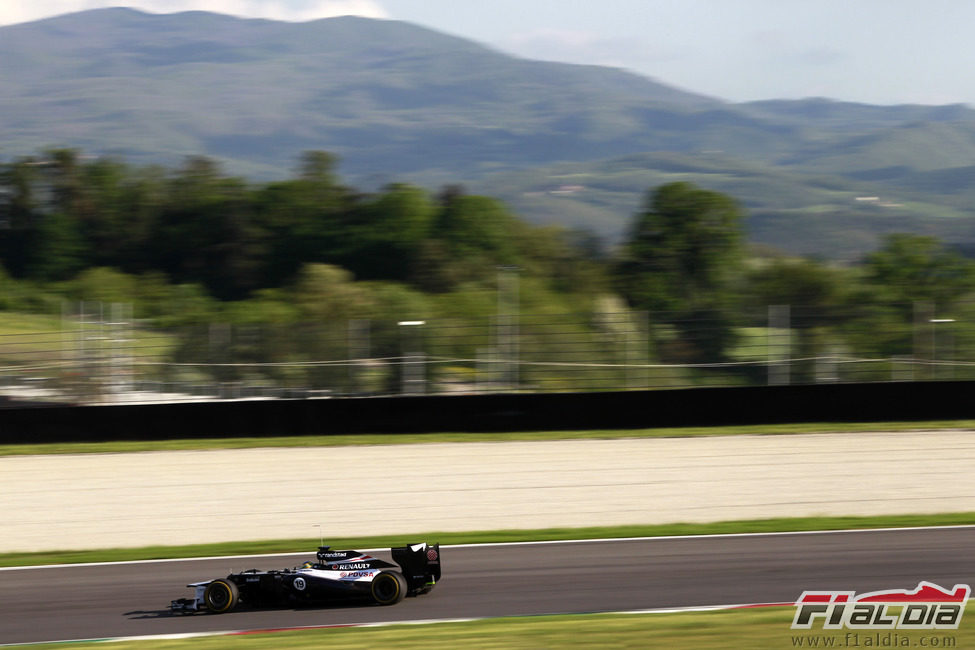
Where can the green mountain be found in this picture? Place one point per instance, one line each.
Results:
(385, 96)
(562, 143)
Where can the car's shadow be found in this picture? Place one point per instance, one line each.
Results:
(150, 613)
(140, 614)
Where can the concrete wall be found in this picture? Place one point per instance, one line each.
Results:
(498, 412)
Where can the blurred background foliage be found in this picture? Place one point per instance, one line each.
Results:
(190, 247)
(194, 241)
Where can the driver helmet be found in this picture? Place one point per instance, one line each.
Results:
(308, 565)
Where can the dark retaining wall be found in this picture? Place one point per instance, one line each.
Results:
(511, 412)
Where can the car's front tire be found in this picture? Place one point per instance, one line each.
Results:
(388, 588)
(220, 596)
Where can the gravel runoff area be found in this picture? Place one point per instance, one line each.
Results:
(186, 497)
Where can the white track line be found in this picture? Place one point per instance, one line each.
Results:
(526, 543)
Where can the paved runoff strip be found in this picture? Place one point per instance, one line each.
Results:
(174, 498)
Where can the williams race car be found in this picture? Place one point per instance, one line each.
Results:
(337, 575)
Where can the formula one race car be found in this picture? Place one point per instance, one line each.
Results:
(337, 575)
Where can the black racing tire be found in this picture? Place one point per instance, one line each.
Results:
(388, 588)
(220, 596)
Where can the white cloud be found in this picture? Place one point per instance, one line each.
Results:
(586, 47)
(289, 10)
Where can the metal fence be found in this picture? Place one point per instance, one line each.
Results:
(99, 355)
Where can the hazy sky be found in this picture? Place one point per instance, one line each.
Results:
(876, 51)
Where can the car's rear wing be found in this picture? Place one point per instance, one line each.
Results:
(420, 564)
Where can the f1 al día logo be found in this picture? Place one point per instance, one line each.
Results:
(929, 607)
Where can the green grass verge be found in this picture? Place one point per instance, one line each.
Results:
(477, 537)
(755, 628)
(17, 323)
(421, 438)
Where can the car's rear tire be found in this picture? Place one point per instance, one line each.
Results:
(220, 596)
(388, 588)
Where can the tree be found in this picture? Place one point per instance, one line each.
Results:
(119, 211)
(19, 214)
(207, 232)
(910, 268)
(477, 225)
(908, 281)
(566, 260)
(66, 186)
(21, 204)
(324, 293)
(471, 236)
(59, 250)
(682, 249)
(305, 220)
(104, 285)
(384, 238)
(814, 292)
(318, 169)
(682, 254)
(801, 283)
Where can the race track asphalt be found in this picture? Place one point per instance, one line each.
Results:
(84, 602)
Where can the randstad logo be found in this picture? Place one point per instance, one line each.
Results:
(929, 607)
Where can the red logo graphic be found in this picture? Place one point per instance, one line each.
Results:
(928, 607)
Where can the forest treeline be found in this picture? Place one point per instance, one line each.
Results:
(63, 214)
(193, 245)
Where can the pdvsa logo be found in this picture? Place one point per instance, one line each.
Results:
(929, 607)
